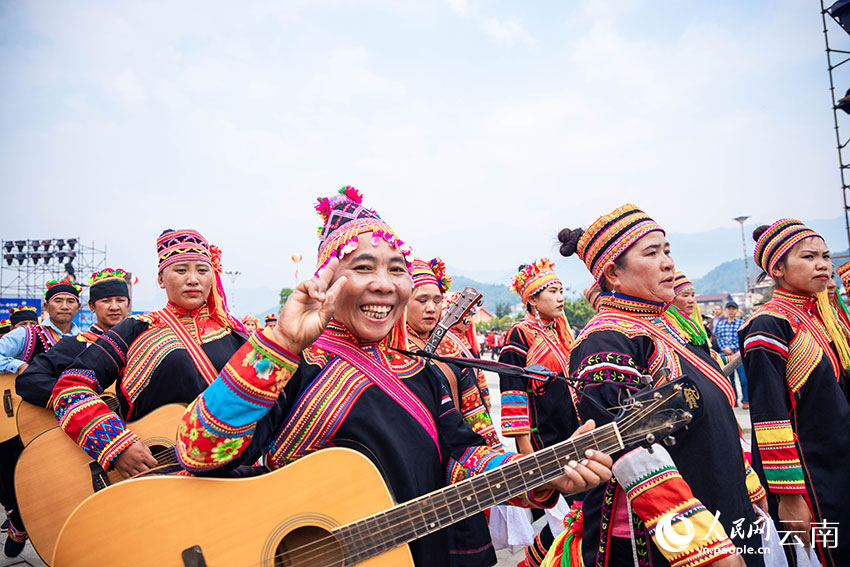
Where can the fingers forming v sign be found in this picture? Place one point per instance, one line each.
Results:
(309, 309)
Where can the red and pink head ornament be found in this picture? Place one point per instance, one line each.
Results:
(344, 219)
(430, 272)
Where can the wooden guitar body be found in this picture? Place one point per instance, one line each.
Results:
(33, 420)
(160, 520)
(54, 475)
(10, 401)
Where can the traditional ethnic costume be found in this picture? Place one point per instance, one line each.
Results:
(686, 324)
(271, 320)
(542, 409)
(21, 346)
(35, 384)
(341, 392)
(167, 356)
(251, 318)
(707, 474)
(799, 401)
(838, 303)
(469, 540)
(5, 326)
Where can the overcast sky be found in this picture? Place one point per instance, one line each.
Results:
(477, 129)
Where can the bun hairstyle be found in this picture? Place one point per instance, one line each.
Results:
(568, 237)
(522, 267)
(759, 231)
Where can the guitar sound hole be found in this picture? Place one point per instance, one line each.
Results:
(309, 546)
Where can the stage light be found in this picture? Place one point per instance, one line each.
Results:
(8, 245)
(20, 244)
(72, 242)
(35, 257)
(60, 257)
(46, 244)
(35, 244)
(47, 256)
(60, 243)
(69, 269)
(20, 258)
(8, 258)
(71, 256)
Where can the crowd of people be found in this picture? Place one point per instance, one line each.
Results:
(342, 365)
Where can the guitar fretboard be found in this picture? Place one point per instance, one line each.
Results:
(434, 511)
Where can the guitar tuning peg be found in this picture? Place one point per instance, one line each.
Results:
(669, 440)
(646, 379)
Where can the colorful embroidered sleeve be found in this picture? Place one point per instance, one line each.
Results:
(483, 388)
(765, 341)
(515, 418)
(11, 347)
(75, 398)
(658, 493)
(220, 423)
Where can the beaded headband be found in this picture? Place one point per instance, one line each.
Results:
(250, 317)
(4, 323)
(108, 283)
(65, 286)
(533, 278)
(175, 246)
(681, 283)
(271, 317)
(431, 272)
(611, 235)
(593, 295)
(344, 219)
(777, 240)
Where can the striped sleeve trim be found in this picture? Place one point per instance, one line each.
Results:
(515, 419)
(764, 341)
(780, 460)
(754, 487)
(657, 491)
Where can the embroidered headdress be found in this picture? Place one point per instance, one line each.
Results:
(5, 326)
(777, 240)
(344, 218)
(608, 237)
(681, 283)
(533, 278)
(22, 313)
(430, 272)
(174, 246)
(844, 273)
(250, 317)
(108, 283)
(271, 318)
(65, 286)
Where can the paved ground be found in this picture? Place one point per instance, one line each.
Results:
(29, 558)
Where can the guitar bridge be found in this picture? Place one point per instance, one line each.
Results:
(7, 403)
(193, 557)
(99, 479)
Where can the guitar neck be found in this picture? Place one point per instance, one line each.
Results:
(436, 337)
(416, 518)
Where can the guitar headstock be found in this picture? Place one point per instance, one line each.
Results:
(466, 300)
(653, 415)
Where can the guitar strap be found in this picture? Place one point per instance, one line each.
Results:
(544, 344)
(380, 374)
(196, 353)
(704, 367)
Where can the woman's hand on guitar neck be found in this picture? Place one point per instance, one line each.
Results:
(135, 459)
(585, 474)
(308, 310)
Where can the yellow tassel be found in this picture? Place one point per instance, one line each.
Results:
(833, 328)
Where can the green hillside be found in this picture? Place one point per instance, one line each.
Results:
(728, 276)
(494, 294)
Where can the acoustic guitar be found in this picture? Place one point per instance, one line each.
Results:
(8, 425)
(330, 508)
(54, 474)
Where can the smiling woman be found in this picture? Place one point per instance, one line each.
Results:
(327, 376)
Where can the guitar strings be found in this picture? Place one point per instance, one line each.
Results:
(331, 544)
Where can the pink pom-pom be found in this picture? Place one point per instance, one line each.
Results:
(352, 193)
(323, 207)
